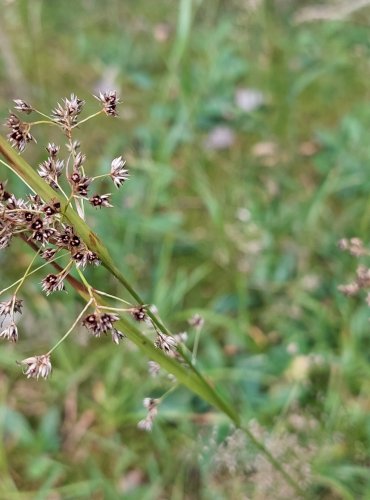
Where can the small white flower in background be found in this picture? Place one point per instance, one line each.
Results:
(220, 137)
(36, 366)
(10, 332)
(152, 406)
(181, 337)
(197, 321)
(249, 99)
(167, 344)
(153, 368)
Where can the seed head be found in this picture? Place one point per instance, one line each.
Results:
(36, 366)
(79, 183)
(11, 306)
(52, 149)
(98, 323)
(117, 172)
(167, 344)
(139, 313)
(66, 114)
(50, 170)
(10, 332)
(22, 106)
(109, 101)
(196, 321)
(19, 134)
(153, 368)
(4, 195)
(83, 256)
(152, 407)
(52, 283)
(100, 200)
(48, 254)
(117, 336)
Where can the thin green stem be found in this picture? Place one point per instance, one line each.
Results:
(99, 176)
(32, 272)
(72, 327)
(27, 271)
(198, 331)
(99, 292)
(117, 309)
(89, 288)
(88, 118)
(167, 393)
(42, 114)
(43, 122)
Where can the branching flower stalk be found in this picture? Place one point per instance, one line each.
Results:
(52, 221)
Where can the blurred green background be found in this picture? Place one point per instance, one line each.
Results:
(245, 126)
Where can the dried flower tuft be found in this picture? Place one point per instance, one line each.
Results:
(10, 332)
(153, 368)
(37, 366)
(100, 200)
(66, 114)
(109, 101)
(354, 246)
(139, 313)
(117, 172)
(167, 344)
(98, 323)
(117, 336)
(196, 321)
(19, 134)
(23, 106)
(152, 407)
(53, 283)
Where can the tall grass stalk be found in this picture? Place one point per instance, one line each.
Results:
(187, 374)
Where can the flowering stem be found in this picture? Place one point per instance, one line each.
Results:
(190, 375)
(27, 273)
(99, 176)
(43, 122)
(32, 272)
(88, 118)
(118, 309)
(42, 114)
(72, 327)
(167, 393)
(89, 288)
(99, 292)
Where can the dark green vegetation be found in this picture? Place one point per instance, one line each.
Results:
(246, 236)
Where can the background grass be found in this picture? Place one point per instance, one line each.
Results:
(246, 235)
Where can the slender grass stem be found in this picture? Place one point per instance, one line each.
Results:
(72, 327)
(88, 118)
(99, 292)
(43, 122)
(27, 271)
(32, 272)
(42, 114)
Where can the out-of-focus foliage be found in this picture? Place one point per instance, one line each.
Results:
(246, 134)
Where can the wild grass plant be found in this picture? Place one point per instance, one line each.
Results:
(245, 134)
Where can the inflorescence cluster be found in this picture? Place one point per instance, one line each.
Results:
(44, 226)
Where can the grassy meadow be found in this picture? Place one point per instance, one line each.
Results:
(245, 126)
